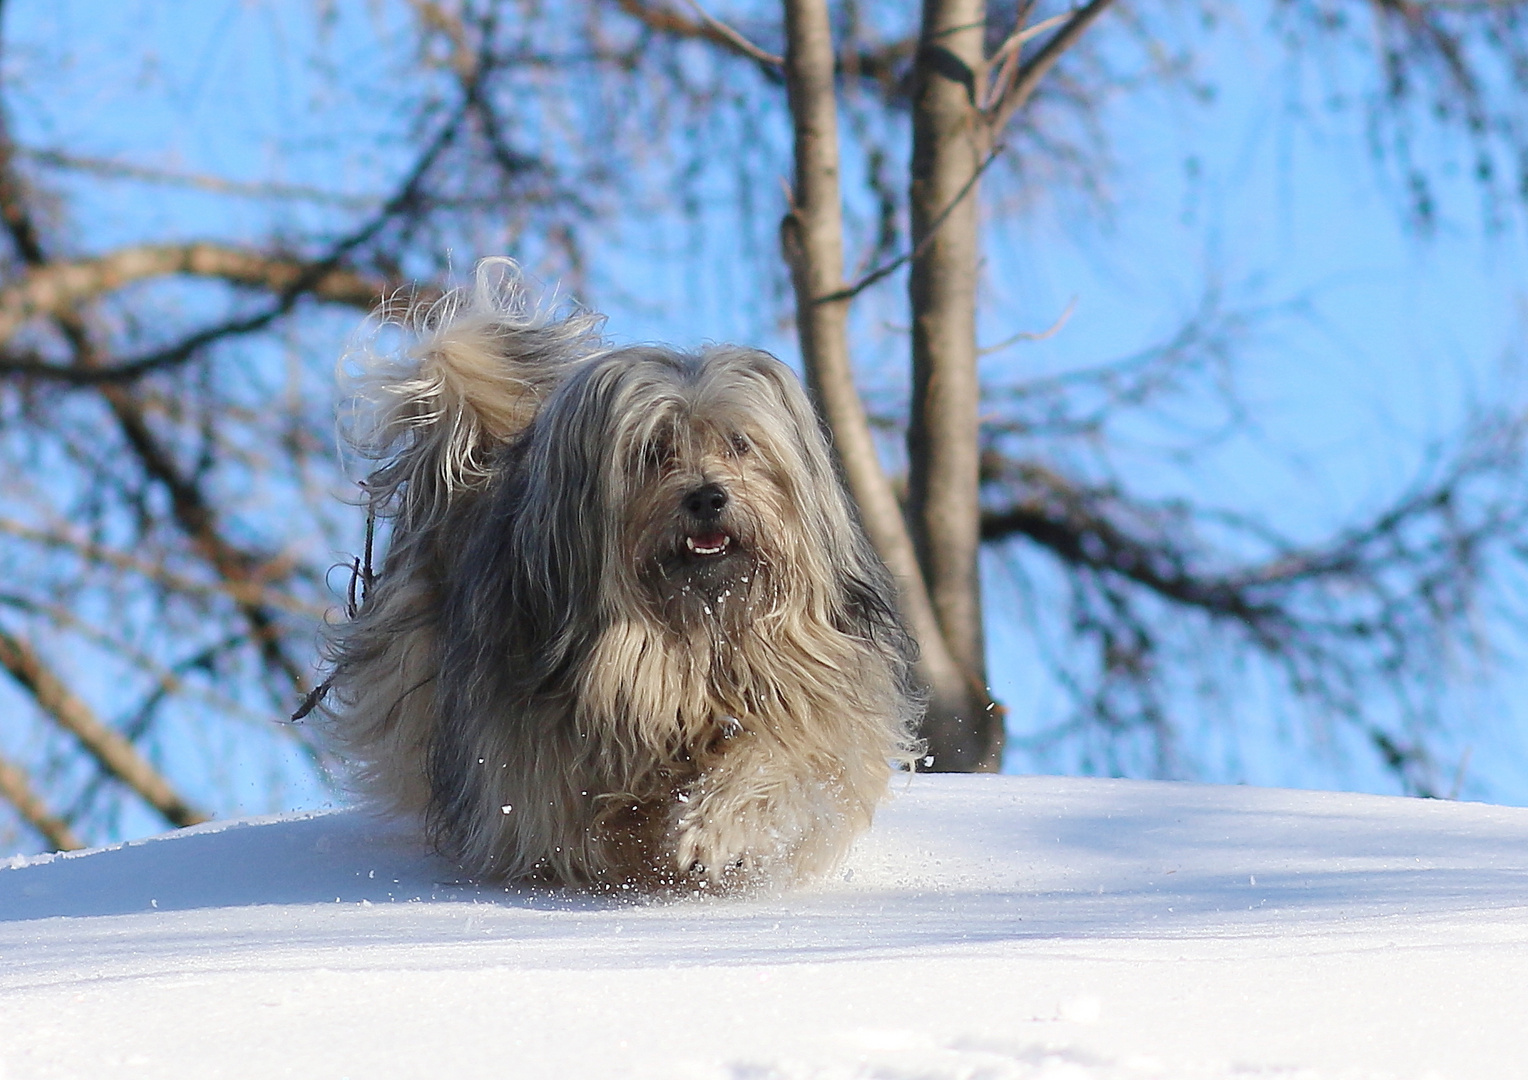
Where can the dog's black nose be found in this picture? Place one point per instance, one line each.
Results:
(706, 502)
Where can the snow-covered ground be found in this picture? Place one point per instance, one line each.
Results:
(989, 927)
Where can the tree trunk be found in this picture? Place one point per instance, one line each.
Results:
(813, 239)
(950, 145)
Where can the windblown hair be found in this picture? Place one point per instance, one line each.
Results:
(628, 632)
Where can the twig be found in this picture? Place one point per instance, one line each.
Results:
(112, 752)
(302, 284)
(168, 680)
(737, 40)
(1023, 34)
(848, 292)
(1028, 75)
(125, 170)
(251, 591)
(1003, 63)
(1031, 335)
(666, 21)
(16, 790)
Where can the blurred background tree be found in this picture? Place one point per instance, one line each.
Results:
(200, 203)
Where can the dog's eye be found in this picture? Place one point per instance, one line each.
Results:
(657, 453)
(740, 445)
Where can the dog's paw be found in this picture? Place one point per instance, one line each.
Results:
(721, 849)
(750, 841)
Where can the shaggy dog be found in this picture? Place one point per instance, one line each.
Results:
(628, 632)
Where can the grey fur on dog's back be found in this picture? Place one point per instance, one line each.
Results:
(627, 631)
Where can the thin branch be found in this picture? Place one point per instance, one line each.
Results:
(1002, 64)
(883, 64)
(112, 752)
(191, 510)
(245, 592)
(1027, 75)
(301, 284)
(1034, 335)
(665, 21)
(1024, 34)
(17, 790)
(735, 39)
(112, 169)
(197, 518)
(167, 680)
(880, 273)
(1076, 533)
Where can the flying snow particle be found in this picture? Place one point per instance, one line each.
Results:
(506, 808)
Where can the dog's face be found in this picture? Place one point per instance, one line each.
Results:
(698, 488)
(704, 518)
(707, 474)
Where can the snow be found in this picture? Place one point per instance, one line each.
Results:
(987, 927)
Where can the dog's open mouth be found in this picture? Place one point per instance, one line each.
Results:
(708, 545)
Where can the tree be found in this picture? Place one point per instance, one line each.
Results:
(959, 109)
(172, 521)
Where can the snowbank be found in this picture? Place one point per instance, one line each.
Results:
(993, 927)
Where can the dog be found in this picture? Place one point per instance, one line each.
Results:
(628, 633)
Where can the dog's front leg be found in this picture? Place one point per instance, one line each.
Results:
(756, 819)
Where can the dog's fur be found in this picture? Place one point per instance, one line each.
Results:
(628, 632)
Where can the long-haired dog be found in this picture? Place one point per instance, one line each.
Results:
(627, 632)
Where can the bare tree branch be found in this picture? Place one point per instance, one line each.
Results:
(258, 592)
(738, 41)
(58, 288)
(880, 273)
(113, 169)
(1026, 77)
(300, 284)
(191, 510)
(1382, 609)
(111, 751)
(884, 64)
(1033, 335)
(666, 21)
(17, 790)
(195, 514)
(1073, 523)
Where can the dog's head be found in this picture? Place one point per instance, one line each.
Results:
(698, 484)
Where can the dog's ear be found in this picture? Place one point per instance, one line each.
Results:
(436, 412)
(865, 596)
